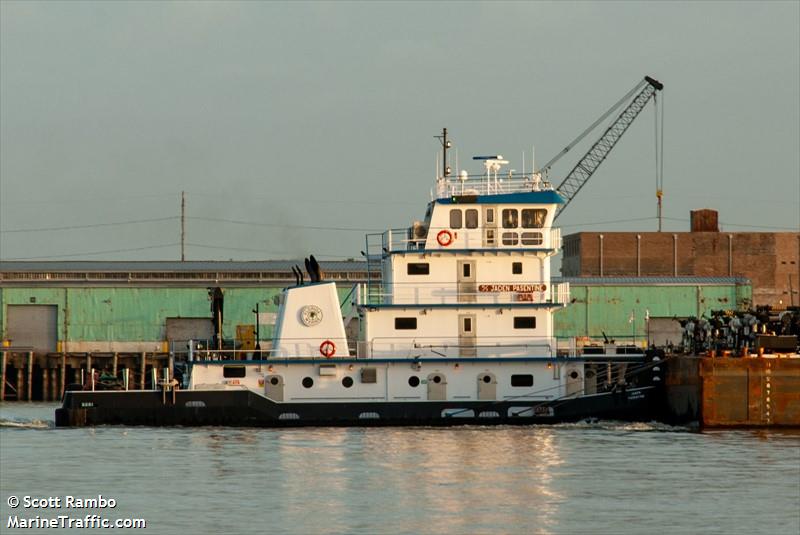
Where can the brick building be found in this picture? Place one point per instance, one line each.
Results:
(771, 260)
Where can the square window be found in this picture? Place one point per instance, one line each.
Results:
(455, 218)
(471, 218)
(516, 268)
(405, 324)
(419, 268)
(533, 217)
(522, 380)
(510, 238)
(532, 238)
(525, 322)
(510, 219)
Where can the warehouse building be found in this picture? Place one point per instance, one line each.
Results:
(771, 260)
(157, 306)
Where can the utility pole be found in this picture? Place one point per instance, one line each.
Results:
(183, 225)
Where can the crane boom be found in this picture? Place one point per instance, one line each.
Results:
(587, 165)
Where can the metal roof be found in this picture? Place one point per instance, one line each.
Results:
(652, 281)
(173, 265)
(331, 266)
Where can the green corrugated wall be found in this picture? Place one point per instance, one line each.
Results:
(598, 309)
(137, 314)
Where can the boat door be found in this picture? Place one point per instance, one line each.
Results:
(574, 380)
(467, 289)
(466, 336)
(489, 226)
(487, 386)
(437, 387)
(273, 387)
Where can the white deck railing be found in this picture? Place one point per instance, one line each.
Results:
(490, 185)
(402, 239)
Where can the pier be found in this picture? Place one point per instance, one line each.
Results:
(30, 376)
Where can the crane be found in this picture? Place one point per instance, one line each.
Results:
(588, 164)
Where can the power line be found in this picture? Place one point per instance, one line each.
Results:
(608, 222)
(96, 252)
(279, 225)
(736, 224)
(94, 225)
(243, 249)
(88, 198)
(359, 202)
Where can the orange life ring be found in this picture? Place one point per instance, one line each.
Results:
(445, 238)
(327, 349)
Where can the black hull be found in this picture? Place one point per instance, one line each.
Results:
(244, 408)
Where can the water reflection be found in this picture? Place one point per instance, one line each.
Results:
(577, 478)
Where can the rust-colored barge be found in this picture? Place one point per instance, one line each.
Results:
(749, 391)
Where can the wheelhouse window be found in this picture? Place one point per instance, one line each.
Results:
(234, 371)
(510, 218)
(510, 238)
(533, 217)
(525, 322)
(455, 218)
(522, 380)
(419, 268)
(532, 238)
(471, 218)
(405, 324)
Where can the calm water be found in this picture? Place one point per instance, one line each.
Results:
(585, 478)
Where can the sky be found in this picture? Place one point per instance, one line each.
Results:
(294, 128)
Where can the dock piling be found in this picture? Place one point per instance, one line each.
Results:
(29, 391)
(143, 371)
(2, 375)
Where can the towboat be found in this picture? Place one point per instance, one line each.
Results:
(458, 329)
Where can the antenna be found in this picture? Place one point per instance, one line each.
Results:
(446, 144)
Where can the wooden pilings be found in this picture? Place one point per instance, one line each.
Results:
(2, 375)
(29, 376)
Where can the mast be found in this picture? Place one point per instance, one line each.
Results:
(446, 144)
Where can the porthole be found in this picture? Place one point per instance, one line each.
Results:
(274, 381)
(437, 379)
(347, 382)
(413, 381)
(573, 374)
(487, 378)
(308, 382)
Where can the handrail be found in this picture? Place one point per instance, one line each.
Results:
(486, 184)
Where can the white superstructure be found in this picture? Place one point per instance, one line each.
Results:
(463, 311)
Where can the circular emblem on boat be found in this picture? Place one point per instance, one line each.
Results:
(327, 349)
(445, 238)
(310, 315)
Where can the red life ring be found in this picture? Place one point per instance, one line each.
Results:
(327, 349)
(445, 238)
